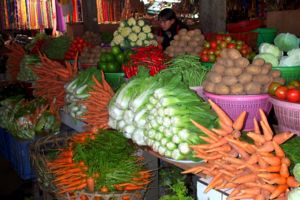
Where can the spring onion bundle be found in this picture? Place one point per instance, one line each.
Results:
(78, 89)
(156, 111)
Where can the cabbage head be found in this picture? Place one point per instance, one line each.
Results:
(286, 41)
(296, 172)
(270, 48)
(294, 194)
(270, 58)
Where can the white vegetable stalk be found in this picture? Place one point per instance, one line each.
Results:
(184, 148)
(112, 123)
(116, 113)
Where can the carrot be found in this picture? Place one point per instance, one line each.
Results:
(224, 148)
(90, 182)
(243, 196)
(209, 133)
(279, 180)
(207, 139)
(262, 163)
(221, 114)
(286, 161)
(291, 182)
(273, 168)
(278, 150)
(234, 160)
(220, 132)
(265, 122)
(272, 160)
(245, 178)
(259, 139)
(241, 151)
(266, 147)
(77, 187)
(193, 169)
(239, 122)
(104, 189)
(279, 190)
(284, 170)
(126, 197)
(259, 197)
(227, 129)
(268, 134)
(282, 137)
(214, 182)
(252, 190)
(219, 143)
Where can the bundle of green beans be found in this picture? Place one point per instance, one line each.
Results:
(189, 67)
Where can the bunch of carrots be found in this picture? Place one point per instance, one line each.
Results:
(71, 176)
(15, 56)
(255, 171)
(52, 76)
(96, 104)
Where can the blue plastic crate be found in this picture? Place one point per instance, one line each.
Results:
(20, 158)
(5, 139)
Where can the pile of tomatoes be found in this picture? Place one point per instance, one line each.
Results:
(77, 45)
(212, 48)
(289, 92)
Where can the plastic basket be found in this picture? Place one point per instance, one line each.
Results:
(265, 35)
(249, 38)
(289, 73)
(115, 80)
(5, 144)
(244, 26)
(287, 114)
(20, 158)
(233, 105)
(200, 92)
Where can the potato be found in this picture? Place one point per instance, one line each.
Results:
(253, 88)
(188, 49)
(266, 68)
(241, 62)
(229, 80)
(258, 61)
(224, 53)
(220, 88)
(191, 33)
(233, 71)
(182, 32)
(221, 61)
(275, 73)
(192, 43)
(237, 89)
(176, 37)
(233, 54)
(279, 80)
(209, 86)
(219, 68)
(262, 79)
(214, 77)
(245, 78)
(253, 69)
(197, 32)
(228, 63)
(198, 49)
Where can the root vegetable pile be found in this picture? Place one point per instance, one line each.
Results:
(15, 57)
(186, 42)
(254, 171)
(233, 74)
(52, 76)
(90, 55)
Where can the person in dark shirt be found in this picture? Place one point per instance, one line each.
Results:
(170, 25)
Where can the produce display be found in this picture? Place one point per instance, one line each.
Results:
(156, 111)
(77, 45)
(150, 57)
(56, 48)
(26, 73)
(91, 165)
(253, 171)
(234, 74)
(92, 38)
(186, 42)
(212, 48)
(286, 41)
(15, 56)
(25, 119)
(133, 33)
(290, 92)
(189, 67)
(35, 45)
(270, 53)
(111, 61)
(52, 77)
(90, 55)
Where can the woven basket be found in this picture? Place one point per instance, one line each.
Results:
(39, 155)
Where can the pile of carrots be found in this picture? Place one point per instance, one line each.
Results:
(15, 56)
(72, 176)
(96, 115)
(254, 171)
(52, 76)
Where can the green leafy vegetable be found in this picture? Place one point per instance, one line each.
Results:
(286, 41)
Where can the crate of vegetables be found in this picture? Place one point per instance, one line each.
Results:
(286, 103)
(237, 85)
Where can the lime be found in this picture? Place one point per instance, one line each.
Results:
(112, 67)
(103, 66)
(103, 57)
(120, 58)
(115, 50)
(110, 57)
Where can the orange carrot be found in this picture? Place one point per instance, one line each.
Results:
(279, 190)
(220, 132)
(282, 137)
(266, 123)
(284, 170)
(259, 139)
(90, 182)
(245, 179)
(242, 196)
(278, 150)
(227, 129)
(266, 147)
(239, 122)
(291, 182)
(286, 161)
(221, 114)
(214, 182)
(207, 139)
(259, 197)
(205, 130)
(273, 168)
(224, 148)
(268, 134)
(272, 160)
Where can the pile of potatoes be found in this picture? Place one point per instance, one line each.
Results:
(90, 55)
(233, 74)
(186, 42)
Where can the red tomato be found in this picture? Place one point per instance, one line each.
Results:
(231, 45)
(213, 44)
(281, 92)
(293, 95)
(295, 84)
(204, 58)
(223, 44)
(204, 52)
(219, 37)
(211, 51)
(228, 39)
(273, 87)
(212, 58)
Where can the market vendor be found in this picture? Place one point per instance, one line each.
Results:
(170, 25)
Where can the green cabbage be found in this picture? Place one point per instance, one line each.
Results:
(270, 48)
(296, 172)
(286, 41)
(268, 57)
(294, 194)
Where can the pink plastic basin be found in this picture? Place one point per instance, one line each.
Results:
(233, 105)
